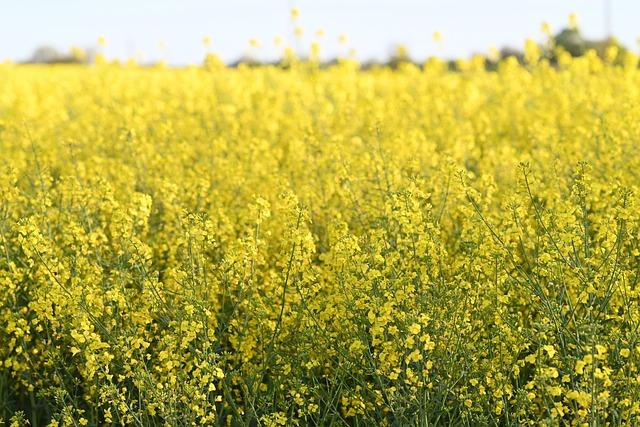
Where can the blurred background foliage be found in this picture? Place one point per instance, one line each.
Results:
(570, 40)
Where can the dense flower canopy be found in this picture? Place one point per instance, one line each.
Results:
(296, 245)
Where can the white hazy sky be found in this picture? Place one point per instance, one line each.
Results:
(132, 27)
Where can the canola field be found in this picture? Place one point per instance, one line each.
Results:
(271, 246)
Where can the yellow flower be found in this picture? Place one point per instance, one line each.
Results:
(551, 351)
(414, 329)
(573, 21)
(581, 397)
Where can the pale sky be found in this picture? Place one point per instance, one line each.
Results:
(373, 27)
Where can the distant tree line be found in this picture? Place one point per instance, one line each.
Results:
(569, 40)
(51, 55)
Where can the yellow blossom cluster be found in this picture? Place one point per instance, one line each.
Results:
(306, 245)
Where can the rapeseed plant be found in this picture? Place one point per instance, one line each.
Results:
(314, 246)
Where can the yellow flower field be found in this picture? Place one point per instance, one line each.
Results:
(299, 245)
